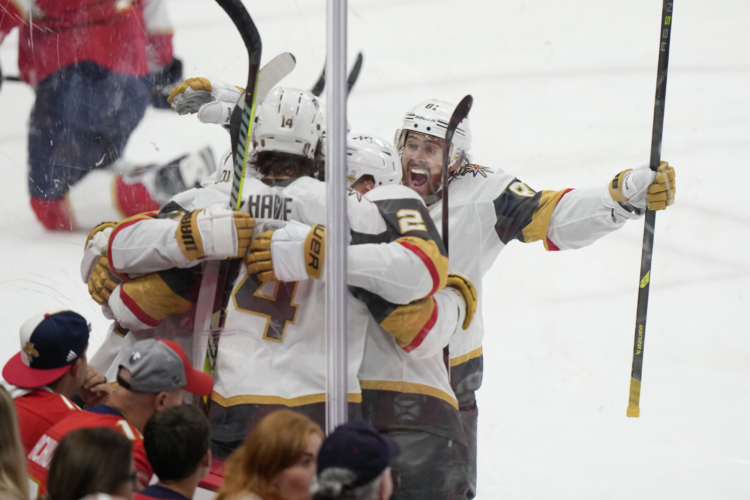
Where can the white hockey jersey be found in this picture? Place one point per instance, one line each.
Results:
(489, 208)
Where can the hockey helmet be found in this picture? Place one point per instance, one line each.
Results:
(431, 117)
(370, 155)
(287, 122)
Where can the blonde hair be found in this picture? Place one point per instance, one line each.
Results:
(12, 457)
(278, 442)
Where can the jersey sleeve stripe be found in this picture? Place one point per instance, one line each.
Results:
(154, 298)
(548, 243)
(539, 224)
(415, 245)
(134, 308)
(425, 329)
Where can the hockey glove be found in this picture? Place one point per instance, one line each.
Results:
(643, 187)
(211, 98)
(469, 293)
(162, 80)
(94, 248)
(215, 233)
(102, 282)
(294, 252)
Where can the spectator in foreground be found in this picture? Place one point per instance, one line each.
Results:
(50, 367)
(90, 461)
(13, 481)
(152, 378)
(275, 462)
(177, 442)
(354, 464)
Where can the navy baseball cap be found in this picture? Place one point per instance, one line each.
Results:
(358, 447)
(50, 344)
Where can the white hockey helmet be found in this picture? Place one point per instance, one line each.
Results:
(370, 155)
(431, 117)
(287, 122)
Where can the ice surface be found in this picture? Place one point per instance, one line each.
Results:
(563, 97)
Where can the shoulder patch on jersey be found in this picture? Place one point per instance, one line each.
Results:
(474, 170)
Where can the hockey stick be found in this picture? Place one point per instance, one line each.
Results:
(273, 72)
(240, 128)
(461, 112)
(350, 81)
(648, 233)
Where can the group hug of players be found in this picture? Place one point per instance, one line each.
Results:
(415, 323)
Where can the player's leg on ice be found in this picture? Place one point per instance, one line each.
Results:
(80, 124)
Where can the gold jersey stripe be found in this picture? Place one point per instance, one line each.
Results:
(407, 321)
(277, 400)
(155, 298)
(539, 225)
(466, 357)
(408, 388)
(439, 261)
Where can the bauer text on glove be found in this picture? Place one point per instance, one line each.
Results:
(294, 252)
(215, 233)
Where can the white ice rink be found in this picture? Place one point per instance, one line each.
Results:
(563, 97)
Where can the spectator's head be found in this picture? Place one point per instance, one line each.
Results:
(276, 461)
(90, 461)
(53, 353)
(354, 464)
(13, 481)
(177, 444)
(153, 377)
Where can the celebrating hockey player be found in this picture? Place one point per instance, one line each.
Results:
(488, 208)
(95, 67)
(271, 351)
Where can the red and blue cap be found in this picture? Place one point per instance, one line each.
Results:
(358, 447)
(50, 344)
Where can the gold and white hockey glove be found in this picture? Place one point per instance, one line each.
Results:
(211, 98)
(102, 282)
(215, 233)
(294, 252)
(469, 293)
(643, 187)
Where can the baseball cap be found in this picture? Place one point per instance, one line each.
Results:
(157, 365)
(358, 447)
(50, 344)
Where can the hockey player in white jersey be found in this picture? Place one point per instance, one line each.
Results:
(488, 208)
(272, 329)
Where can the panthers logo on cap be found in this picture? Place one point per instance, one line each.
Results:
(30, 351)
(135, 357)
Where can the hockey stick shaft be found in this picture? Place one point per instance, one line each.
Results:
(461, 112)
(214, 280)
(639, 343)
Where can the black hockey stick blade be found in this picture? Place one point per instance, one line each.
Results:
(350, 81)
(320, 84)
(665, 33)
(12, 78)
(461, 112)
(354, 73)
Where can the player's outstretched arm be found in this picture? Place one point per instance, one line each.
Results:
(154, 242)
(585, 215)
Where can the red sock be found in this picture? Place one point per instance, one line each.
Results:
(134, 198)
(53, 214)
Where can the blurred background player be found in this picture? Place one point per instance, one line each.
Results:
(92, 461)
(51, 367)
(177, 444)
(154, 377)
(489, 208)
(95, 67)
